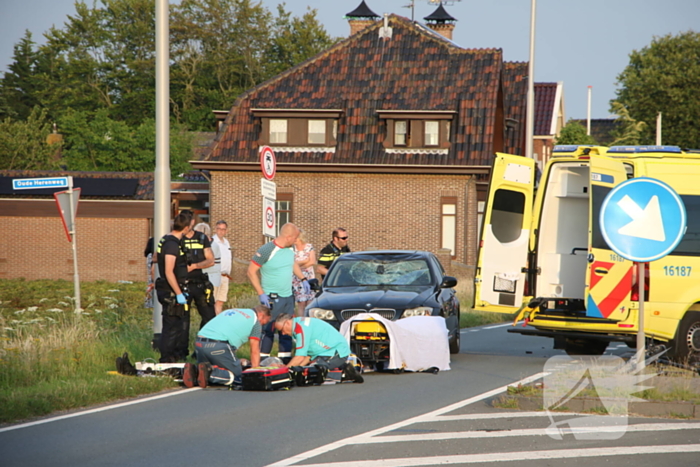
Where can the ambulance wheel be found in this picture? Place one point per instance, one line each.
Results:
(454, 342)
(686, 345)
(585, 347)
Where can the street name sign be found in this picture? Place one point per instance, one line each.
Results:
(39, 183)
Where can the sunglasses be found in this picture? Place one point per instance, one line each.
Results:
(343, 238)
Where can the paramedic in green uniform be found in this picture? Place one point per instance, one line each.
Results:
(270, 272)
(217, 343)
(318, 343)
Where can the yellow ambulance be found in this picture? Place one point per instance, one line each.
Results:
(542, 251)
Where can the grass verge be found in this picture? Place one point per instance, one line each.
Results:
(52, 359)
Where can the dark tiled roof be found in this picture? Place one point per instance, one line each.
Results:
(94, 185)
(601, 129)
(414, 70)
(196, 176)
(440, 15)
(515, 100)
(545, 96)
(362, 11)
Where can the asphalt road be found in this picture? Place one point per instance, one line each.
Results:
(215, 426)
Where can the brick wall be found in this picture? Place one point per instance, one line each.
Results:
(379, 211)
(108, 249)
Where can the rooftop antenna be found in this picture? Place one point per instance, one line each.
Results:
(412, 5)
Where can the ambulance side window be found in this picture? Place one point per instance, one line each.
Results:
(690, 243)
(507, 215)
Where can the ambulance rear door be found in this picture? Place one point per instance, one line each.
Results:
(609, 275)
(505, 234)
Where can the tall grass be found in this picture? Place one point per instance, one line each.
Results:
(54, 359)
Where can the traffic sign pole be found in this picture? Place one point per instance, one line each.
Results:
(641, 337)
(642, 220)
(76, 278)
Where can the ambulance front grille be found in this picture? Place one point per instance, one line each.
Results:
(386, 313)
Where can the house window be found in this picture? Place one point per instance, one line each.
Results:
(400, 133)
(283, 208)
(317, 132)
(448, 224)
(278, 131)
(432, 133)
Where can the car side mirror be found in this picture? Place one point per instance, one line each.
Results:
(315, 286)
(448, 282)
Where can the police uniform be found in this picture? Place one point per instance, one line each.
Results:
(330, 253)
(199, 288)
(176, 318)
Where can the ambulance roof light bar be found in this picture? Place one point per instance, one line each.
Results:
(643, 149)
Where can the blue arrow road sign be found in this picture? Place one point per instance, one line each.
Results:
(38, 183)
(643, 219)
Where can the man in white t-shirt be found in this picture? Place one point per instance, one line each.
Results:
(221, 291)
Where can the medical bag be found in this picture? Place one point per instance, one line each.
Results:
(265, 379)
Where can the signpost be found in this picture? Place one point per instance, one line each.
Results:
(642, 220)
(268, 189)
(67, 203)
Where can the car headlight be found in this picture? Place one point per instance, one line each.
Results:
(322, 314)
(419, 311)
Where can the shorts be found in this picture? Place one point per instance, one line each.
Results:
(221, 292)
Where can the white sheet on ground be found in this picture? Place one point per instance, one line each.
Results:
(416, 343)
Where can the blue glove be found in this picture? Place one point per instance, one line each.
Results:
(305, 285)
(264, 299)
(181, 299)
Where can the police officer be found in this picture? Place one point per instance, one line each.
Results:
(170, 288)
(199, 255)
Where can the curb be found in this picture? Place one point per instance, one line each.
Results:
(659, 409)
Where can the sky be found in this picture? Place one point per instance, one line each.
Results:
(578, 42)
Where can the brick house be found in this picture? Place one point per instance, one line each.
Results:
(389, 133)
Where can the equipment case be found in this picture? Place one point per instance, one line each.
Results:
(265, 379)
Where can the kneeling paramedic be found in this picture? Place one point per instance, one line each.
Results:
(317, 343)
(217, 343)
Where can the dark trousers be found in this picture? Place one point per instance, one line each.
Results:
(175, 333)
(279, 305)
(202, 295)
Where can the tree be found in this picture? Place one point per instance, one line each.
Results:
(18, 93)
(663, 77)
(99, 143)
(574, 133)
(23, 144)
(629, 131)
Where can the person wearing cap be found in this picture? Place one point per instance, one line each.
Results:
(318, 343)
(217, 343)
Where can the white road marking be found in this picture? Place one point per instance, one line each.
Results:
(418, 419)
(100, 409)
(656, 427)
(493, 416)
(517, 456)
(499, 326)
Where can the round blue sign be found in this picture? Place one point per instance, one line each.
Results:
(643, 219)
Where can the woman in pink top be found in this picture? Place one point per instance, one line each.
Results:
(305, 256)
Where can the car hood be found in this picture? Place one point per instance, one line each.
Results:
(366, 298)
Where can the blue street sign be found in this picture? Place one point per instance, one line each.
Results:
(642, 219)
(39, 183)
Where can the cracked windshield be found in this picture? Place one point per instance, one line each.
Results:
(380, 273)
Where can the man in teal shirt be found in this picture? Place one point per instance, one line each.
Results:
(319, 343)
(217, 343)
(270, 272)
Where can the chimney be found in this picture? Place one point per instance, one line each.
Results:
(441, 22)
(360, 18)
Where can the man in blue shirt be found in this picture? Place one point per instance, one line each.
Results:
(318, 343)
(270, 272)
(217, 343)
